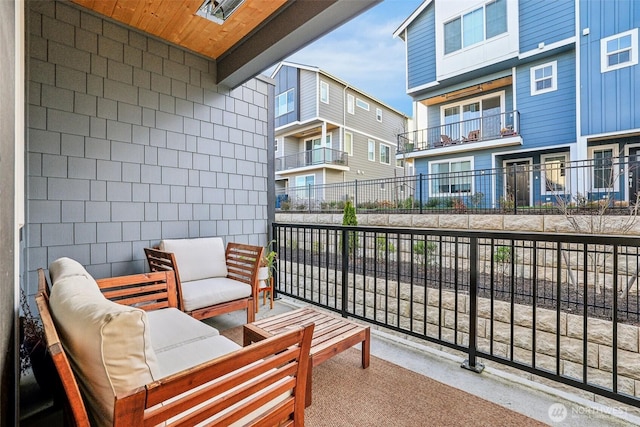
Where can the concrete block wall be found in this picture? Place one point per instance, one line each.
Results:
(446, 316)
(131, 141)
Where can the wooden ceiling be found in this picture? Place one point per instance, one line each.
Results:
(176, 21)
(468, 91)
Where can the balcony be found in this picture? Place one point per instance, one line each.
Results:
(473, 134)
(312, 159)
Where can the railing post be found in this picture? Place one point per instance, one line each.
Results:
(345, 271)
(515, 190)
(355, 196)
(471, 363)
(420, 192)
(274, 239)
(309, 198)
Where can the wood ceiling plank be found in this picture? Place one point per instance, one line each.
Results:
(105, 7)
(124, 10)
(183, 17)
(142, 12)
(176, 22)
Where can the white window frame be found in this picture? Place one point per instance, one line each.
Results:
(379, 114)
(553, 77)
(460, 103)
(388, 149)
(615, 176)
(362, 104)
(304, 193)
(449, 193)
(461, 18)
(563, 170)
(285, 94)
(324, 92)
(351, 104)
(371, 150)
(348, 143)
(604, 54)
(275, 145)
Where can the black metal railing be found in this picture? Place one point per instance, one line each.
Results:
(554, 187)
(315, 157)
(469, 131)
(491, 295)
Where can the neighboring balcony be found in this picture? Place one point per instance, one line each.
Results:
(472, 134)
(313, 159)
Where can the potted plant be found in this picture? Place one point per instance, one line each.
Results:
(268, 262)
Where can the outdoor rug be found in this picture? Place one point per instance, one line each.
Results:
(385, 394)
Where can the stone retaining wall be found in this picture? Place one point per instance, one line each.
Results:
(390, 303)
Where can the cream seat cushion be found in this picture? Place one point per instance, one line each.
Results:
(199, 258)
(181, 342)
(216, 290)
(108, 344)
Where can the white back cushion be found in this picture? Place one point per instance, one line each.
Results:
(108, 344)
(199, 258)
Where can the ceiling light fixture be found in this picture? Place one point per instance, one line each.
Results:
(464, 92)
(218, 11)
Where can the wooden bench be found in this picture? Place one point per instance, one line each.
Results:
(262, 384)
(332, 335)
(185, 256)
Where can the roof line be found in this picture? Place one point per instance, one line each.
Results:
(411, 18)
(331, 76)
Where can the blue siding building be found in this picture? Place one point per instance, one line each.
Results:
(530, 87)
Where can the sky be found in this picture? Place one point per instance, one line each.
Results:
(364, 53)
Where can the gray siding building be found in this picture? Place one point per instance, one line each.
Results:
(327, 131)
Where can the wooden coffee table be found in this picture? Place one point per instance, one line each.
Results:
(331, 335)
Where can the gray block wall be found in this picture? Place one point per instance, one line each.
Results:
(131, 141)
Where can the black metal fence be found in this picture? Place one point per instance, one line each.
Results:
(605, 185)
(523, 300)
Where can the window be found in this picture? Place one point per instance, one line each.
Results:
(302, 183)
(324, 92)
(379, 114)
(275, 145)
(452, 36)
(603, 177)
(554, 173)
(479, 116)
(619, 51)
(384, 154)
(496, 22)
(284, 102)
(452, 177)
(362, 104)
(476, 26)
(371, 150)
(348, 143)
(351, 104)
(472, 28)
(544, 78)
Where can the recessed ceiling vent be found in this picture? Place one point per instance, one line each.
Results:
(218, 10)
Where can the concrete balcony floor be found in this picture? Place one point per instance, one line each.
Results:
(499, 384)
